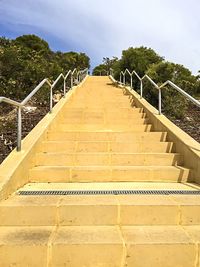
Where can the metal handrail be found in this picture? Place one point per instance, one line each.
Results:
(80, 74)
(10, 101)
(103, 71)
(159, 88)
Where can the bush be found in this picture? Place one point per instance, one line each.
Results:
(174, 104)
(27, 60)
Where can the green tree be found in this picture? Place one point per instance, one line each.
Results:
(104, 69)
(100, 70)
(138, 59)
(174, 104)
(33, 42)
(27, 60)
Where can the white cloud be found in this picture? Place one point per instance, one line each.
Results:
(106, 27)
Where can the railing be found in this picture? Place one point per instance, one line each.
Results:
(158, 87)
(101, 72)
(76, 77)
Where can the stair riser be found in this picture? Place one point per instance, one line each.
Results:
(102, 136)
(100, 104)
(99, 246)
(23, 255)
(106, 110)
(103, 127)
(107, 175)
(176, 254)
(87, 99)
(99, 214)
(104, 255)
(119, 121)
(45, 159)
(92, 147)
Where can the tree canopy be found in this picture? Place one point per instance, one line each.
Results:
(104, 68)
(146, 61)
(25, 61)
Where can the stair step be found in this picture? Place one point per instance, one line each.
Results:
(101, 120)
(84, 103)
(115, 136)
(105, 246)
(77, 210)
(108, 159)
(106, 110)
(102, 146)
(109, 174)
(24, 246)
(160, 246)
(103, 127)
(104, 190)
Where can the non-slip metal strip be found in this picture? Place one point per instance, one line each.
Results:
(108, 192)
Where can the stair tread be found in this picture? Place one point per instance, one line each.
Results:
(113, 167)
(98, 141)
(112, 186)
(104, 245)
(99, 234)
(110, 153)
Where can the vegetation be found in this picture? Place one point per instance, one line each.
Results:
(27, 60)
(146, 60)
(174, 103)
(104, 68)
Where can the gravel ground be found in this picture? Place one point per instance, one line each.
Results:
(190, 123)
(8, 127)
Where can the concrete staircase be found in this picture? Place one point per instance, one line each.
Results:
(102, 142)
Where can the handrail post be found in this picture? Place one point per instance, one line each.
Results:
(124, 79)
(64, 87)
(120, 79)
(19, 129)
(141, 89)
(131, 81)
(51, 99)
(160, 101)
(71, 81)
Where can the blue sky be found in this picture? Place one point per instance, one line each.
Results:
(103, 28)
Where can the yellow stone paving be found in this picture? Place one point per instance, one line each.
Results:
(101, 139)
(111, 186)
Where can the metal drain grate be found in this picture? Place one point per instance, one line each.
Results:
(108, 192)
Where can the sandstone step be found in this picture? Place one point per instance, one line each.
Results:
(125, 115)
(116, 136)
(64, 246)
(94, 126)
(108, 159)
(103, 120)
(106, 146)
(106, 114)
(161, 246)
(102, 104)
(24, 246)
(105, 246)
(77, 111)
(77, 210)
(109, 174)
